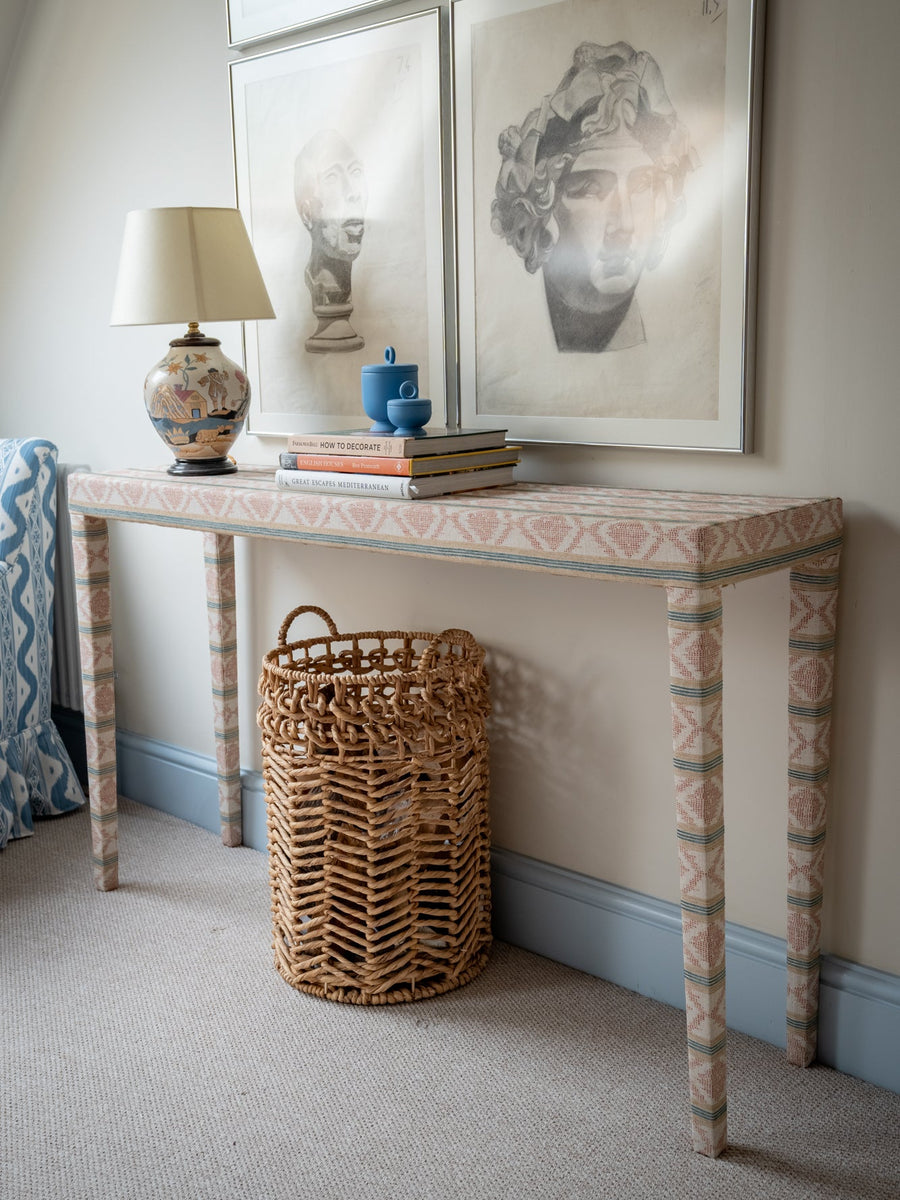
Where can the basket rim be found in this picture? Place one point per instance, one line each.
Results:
(443, 667)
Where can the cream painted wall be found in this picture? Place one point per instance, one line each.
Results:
(12, 14)
(118, 104)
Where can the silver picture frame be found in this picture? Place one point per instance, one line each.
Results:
(606, 165)
(339, 166)
(251, 21)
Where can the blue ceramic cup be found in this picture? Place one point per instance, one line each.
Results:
(381, 382)
(409, 412)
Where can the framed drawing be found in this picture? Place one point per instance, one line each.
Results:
(606, 191)
(338, 162)
(254, 20)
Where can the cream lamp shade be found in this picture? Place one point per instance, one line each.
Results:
(191, 265)
(188, 264)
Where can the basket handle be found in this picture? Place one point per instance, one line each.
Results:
(304, 608)
(448, 635)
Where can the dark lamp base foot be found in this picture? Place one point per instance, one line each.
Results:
(203, 466)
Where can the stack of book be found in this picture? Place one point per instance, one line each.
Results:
(359, 463)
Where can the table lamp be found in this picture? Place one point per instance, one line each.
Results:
(191, 265)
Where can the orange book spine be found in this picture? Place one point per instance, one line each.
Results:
(347, 463)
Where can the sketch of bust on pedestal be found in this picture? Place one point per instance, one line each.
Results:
(331, 194)
(589, 188)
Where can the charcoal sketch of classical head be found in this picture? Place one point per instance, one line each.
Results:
(331, 194)
(589, 188)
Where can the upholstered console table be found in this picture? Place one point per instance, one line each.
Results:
(688, 543)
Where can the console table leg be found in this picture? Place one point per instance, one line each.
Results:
(90, 550)
(814, 591)
(218, 553)
(695, 666)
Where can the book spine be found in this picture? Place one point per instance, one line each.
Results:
(335, 481)
(372, 465)
(384, 446)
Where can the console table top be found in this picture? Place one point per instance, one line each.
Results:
(654, 537)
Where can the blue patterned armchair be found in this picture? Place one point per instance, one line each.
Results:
(36, 774)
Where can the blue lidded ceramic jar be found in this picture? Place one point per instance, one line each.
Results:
(409, 412)
(381, 382)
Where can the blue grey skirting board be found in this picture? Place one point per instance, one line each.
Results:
(616, 934)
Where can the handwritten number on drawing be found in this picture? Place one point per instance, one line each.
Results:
(403, 69)
(714, 9)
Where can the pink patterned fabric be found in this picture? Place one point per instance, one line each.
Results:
(218, 550)
(689, 543)
(695, 669)
(810, 684)
(644, 535)
(90, 545)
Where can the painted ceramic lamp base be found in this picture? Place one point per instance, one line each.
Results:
(197, 399)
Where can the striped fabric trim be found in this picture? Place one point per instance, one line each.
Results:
(99, 676)
(803, 776)
(700, 839)
(705, 981)
(711, 1115)
(702, 1048)
(678, 616)
(703, 910)
(696, 691)
(796, 901)
(699, 767)
(223, 606)
(224, 648)
(806, 839)
(808, 580)
(808, 712)
(95, 725)
(805, 1026)
(101, 773)
(103, 818)
(804, 964)
(813, 645)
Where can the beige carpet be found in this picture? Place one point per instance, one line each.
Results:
(149, 1050)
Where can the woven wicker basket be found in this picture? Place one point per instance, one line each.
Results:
(375, 761)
